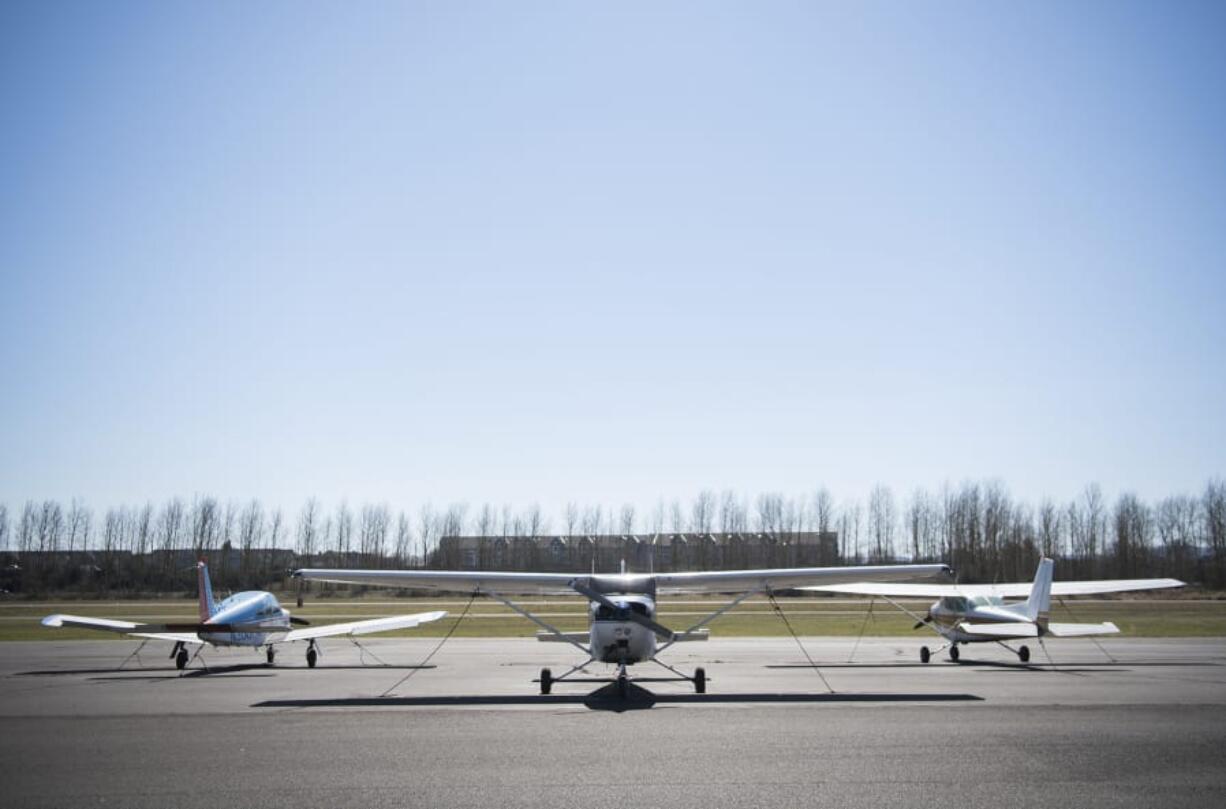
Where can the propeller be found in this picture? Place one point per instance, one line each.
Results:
(623, 613)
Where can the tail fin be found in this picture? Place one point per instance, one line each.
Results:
(207, 606)
(1039, 602)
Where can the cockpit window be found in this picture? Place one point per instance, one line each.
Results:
(955, 603)
(604, 613)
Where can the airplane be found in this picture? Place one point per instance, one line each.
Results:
(253, 618)
(977, 613)
(622, 626)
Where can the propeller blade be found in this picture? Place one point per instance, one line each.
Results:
(600, 598)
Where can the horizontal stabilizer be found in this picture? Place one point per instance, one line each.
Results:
(1081, 630)
(1010, 630)
(365, 627)
(698, 634)
(565, 637)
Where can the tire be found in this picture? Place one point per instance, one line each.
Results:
(272, 655)
(311, 658)
(700, 681)
(953, 653)
(623, 687)
(925, 654)
(546, 681)
(181, 660)
(1023, 654)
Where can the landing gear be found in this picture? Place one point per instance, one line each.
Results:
(623, 681)
(272, 655)
(546, 681)
(312, 655)
(925, 654)
(700, 681)
(953, 653)
(181, 659)
(1023, 654)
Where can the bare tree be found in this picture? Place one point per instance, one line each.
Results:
(308, 528)
(702, 513)
(882, 523)
(626, 519)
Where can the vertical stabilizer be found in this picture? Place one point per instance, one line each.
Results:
(207, 606)
(1039, 602)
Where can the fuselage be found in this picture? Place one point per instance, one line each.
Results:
(614, 639)
(251, 608)
(951, 611)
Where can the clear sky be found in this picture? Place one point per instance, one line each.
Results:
(609, 252)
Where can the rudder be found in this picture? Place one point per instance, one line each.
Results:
(207, 606)
(1039, 602)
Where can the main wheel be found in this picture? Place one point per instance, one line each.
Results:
(272, 655)
(925, 654)
(181, 660)
(546, 680)
(1023, 654)
(700, 681)
(311, 657)
(953, 653)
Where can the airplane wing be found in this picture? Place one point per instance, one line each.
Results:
(1019, 589)
(1082, 588)
(733, 581)
(364, 627)
(721, 581)
(1009, 630)
(1081, 630)
(122, 627)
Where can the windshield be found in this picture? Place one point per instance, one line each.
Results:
(604, 613)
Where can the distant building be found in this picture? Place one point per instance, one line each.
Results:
(662, 553)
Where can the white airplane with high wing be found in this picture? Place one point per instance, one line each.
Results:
(622, 626)
(252, 618)
(977, 613)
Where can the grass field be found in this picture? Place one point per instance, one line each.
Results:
(19, 620)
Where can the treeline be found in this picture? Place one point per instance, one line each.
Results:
(977, 527)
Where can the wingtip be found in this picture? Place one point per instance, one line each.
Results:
(53, 620)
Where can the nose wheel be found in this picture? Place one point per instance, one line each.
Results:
(312, 655)
(181, 659)
(271, 655)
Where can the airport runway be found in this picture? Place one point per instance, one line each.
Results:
(1145, 727)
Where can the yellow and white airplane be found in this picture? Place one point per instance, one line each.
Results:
(977, 613)
(622, 626)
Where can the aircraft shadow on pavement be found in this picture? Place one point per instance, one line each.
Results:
(965, 663)
(233, 670)
(608, 699)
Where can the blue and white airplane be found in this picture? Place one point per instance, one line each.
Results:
(253, 618)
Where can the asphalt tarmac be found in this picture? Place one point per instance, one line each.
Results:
(1137, 722)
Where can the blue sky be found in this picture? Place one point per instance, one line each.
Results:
(609, 252)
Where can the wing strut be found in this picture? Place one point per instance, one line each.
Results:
(712, 616)
(547, 627)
